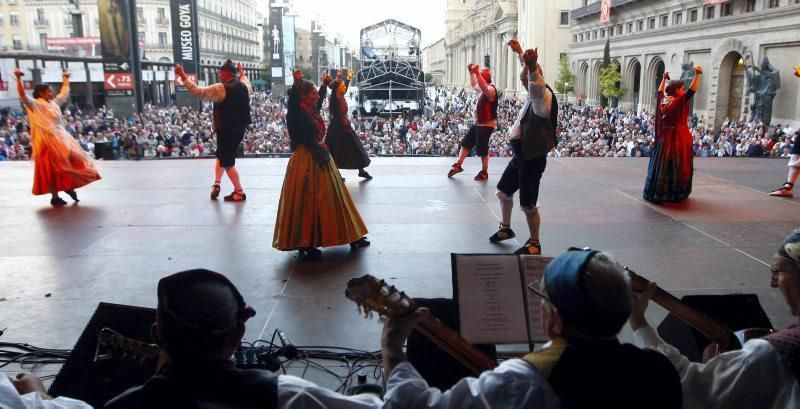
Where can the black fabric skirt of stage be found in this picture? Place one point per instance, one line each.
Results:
(346, 149)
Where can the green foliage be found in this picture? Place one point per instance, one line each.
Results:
(610, 79)
(566, 79)
(606, 63)
(428, 77)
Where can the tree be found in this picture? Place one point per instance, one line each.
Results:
(610, 79)
(566, 79)
(606, 63)
(428, 77)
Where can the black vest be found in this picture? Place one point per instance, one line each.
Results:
(233, 113)
(539, 134)
(205, 388)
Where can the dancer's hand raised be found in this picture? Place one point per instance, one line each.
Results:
(515, 46)
(18, 73)
(239, 68)
(531, 58)
(698, 70)
(179, 71)
(65, 74)
(666, 76)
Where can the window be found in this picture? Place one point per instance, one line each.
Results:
(13, 19)
(139, 14)
(142, 37)
(603, 33)
(727, 9)
(640, 25)
(594, 35)
(651, 23)
(574, 38)
(692, 15)
(2, 23)
(619, 29)
(630, 28)
(581, 37)
(664, 21)
(564, 18)
(677, 18)
(162, 39)
(611, 31)
(43, 40)
(17, 42)
(40, 14)
(710, 10)
(751, 6)
(774, 3)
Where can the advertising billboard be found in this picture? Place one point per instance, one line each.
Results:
(116, 46)
(275, 45)
(185, 46)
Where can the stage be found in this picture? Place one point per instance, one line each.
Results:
(147, 219)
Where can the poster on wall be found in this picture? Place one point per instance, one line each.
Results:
(116, 47)
(605, 11)
(184, 38)
(289, 48)
(275, 36)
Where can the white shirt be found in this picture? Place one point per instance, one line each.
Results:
(539, 99)
(513, 384)
(11, 399)
(214, 92)
(294, 392)
(752, 377)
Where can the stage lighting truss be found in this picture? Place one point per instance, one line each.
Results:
(391, 76)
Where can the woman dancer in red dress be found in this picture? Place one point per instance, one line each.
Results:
(60, 164)
(669, 176)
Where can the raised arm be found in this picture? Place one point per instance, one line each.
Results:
(23, 96)
(664, 81)
(243, 78)
(63, 95)
(323, 90)
(698, 72)
(482, 85)
(212, 93)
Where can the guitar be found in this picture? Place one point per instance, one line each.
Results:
(116, 346)
(722, 338)
(373, 295)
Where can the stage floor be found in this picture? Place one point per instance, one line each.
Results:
(148, 219)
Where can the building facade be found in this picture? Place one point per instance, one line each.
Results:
(726, 39)
(434, 61)
(478, 32)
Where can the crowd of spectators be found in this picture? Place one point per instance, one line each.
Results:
(583, 131)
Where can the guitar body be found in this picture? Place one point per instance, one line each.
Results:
(713, 349)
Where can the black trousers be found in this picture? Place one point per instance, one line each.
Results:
(523, 176)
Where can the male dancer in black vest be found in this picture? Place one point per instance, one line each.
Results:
(532, 137)
(231, 99)
(485, 121)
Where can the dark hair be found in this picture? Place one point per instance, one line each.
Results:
(673, 86)
(228, 66)
(305, 87)
(39, 90)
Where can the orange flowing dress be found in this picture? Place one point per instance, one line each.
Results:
(60, 164)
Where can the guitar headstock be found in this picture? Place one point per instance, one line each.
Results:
(112, 345)
(376, 295)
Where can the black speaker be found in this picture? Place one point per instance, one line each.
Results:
(436, 366)
(735, 311)
(98, 382)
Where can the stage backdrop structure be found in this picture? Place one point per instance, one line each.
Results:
(390, 80)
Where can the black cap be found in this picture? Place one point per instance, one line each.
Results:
(228, 66)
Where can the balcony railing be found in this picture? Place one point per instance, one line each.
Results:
(162, 21)
(41, 22)
(141, 21)
(593, 8)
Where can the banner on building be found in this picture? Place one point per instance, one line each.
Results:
(275, 38)
(116, 45)
(185, 47)
(605, 11)
(716, 1)
(289, 48)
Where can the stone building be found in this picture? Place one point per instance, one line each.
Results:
(434, 61)
(726, 39)
(478, 31)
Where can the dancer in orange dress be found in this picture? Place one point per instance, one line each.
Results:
(60, 164)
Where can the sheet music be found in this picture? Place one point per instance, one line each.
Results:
(491, 303)
(532, 272)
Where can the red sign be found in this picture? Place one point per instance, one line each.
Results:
(179, 81)
(118, 81)
(716, 1)
(605, 11)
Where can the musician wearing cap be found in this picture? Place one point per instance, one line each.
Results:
(200, 322)
(763, 374)
(231, 117)
(585, 299)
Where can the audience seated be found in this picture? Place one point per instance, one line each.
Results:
(586, 299)
(763, 374)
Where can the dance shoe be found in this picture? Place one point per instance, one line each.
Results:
(784, 191)
(58, 202)
(73, 194)
(235, 197)
(531, 248)
(455, 170)
(215, 189)
(504, 233)
(363, 174)
(482, 175)
(310, 254)
(362, 242)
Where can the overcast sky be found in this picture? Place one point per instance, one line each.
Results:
(348, 17)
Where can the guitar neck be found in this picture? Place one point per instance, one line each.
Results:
(716, 332)
(456, 346)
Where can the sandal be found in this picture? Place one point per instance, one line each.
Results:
(236, 196)
(58, 202)
(482, 175)
(73, 194)
(363, 174)
(455, 170)
(215, 189)
(504, 233)
(784, 191)
(531, 247)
